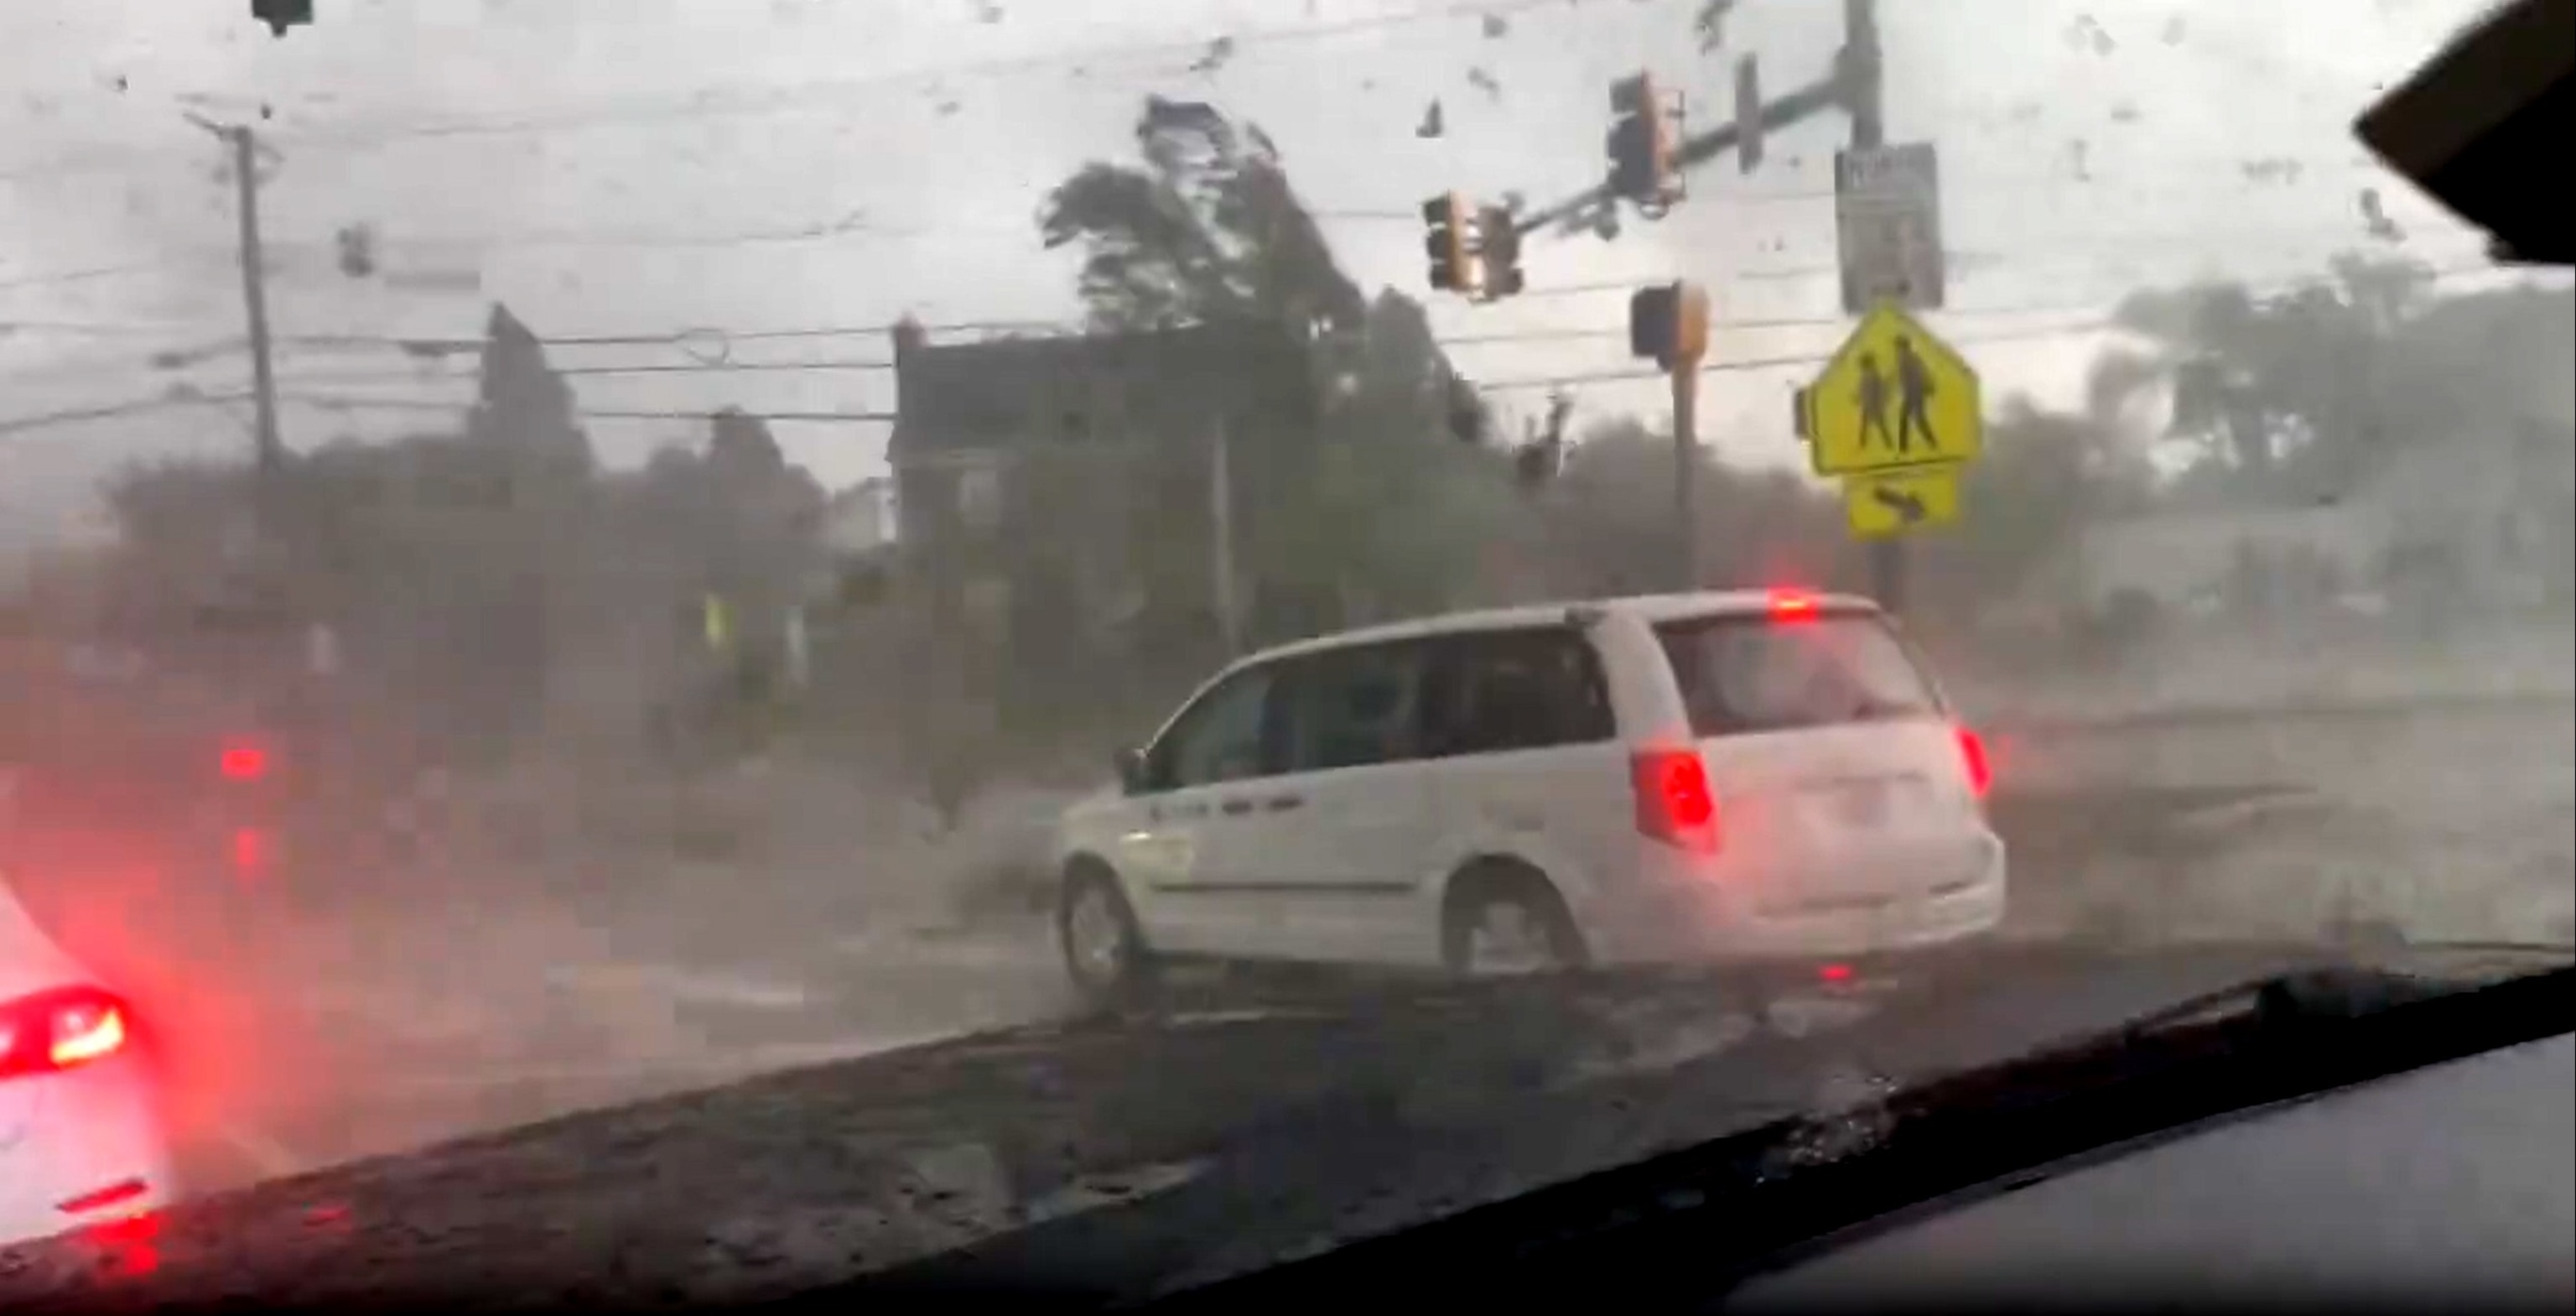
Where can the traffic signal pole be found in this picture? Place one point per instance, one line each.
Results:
(1668, 323)
(1860, 73)
(1686, 470)
(1689, 347)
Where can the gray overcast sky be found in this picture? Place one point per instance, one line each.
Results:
(642, 166)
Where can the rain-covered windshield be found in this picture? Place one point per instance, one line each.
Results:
(557, 552)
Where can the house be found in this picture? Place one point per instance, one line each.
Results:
(1025, 469)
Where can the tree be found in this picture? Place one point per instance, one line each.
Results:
(1208, 229)
(1611, 518)
(2301, 396)
(449, 563)
(1369, 512)
(2046, 477)
(524, 407)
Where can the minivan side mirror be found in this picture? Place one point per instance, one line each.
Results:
(1131, 769)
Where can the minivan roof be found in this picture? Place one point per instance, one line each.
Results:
(1650, 608)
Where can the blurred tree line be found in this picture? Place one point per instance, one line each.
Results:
(476, 582)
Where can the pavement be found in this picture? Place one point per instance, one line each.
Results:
(330, 1043)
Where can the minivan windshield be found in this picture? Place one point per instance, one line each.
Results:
(1745, 674)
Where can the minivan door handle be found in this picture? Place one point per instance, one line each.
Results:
(1236, 806)
(1283, 803)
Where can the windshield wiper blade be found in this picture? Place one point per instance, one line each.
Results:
(2326, 992)
(1706, 1218)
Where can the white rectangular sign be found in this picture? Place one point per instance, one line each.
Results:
(1887, 211)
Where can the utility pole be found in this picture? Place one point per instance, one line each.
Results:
(1685, 376)
(269, 452)
(1668, 324)
(1861, 76)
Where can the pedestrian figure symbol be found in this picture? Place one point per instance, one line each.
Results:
(1914, 390)
(1894, 397)
(1873, 401)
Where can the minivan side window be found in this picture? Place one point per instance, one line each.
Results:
(1350, 707)
(1217, 739)
(1496, 691)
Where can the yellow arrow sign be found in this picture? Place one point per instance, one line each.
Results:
(1894, 396)
(1893, 503)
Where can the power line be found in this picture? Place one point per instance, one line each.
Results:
(2097, 323)
(1744, 364)
(58, 277)
(21, 424)
(1605, 376)
(330, 401)
(339, 402)
(711, 368)
(335, 402)
(722, 364)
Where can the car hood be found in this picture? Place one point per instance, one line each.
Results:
(1323, 1116)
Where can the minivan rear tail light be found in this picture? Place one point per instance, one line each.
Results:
(1792, 605)
(1674, 803)
(1972, 758)
(59, 1030)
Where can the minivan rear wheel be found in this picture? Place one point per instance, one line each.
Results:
(1505, 920)
(1104, 950)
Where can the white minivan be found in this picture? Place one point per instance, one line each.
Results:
(1734, 776)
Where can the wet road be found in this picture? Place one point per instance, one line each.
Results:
(1319, 1118)
(2445, 821)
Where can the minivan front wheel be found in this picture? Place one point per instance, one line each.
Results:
(1104, 951)
(1505, 920)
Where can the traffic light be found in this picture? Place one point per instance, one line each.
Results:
(1668, 324)
(357, 251)
(1452, 268)
(1498, 245)
(282, 14)
(1645, 142)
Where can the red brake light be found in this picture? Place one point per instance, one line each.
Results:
(60, 1030)
(243, 763)
(1674, 804)
(1790, 604)
(1972, 756)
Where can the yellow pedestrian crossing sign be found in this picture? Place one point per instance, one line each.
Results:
(1894, 396)
(1891, 503)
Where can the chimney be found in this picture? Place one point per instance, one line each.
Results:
(908, 339)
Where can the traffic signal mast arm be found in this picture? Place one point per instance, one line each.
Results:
(1805, 103)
